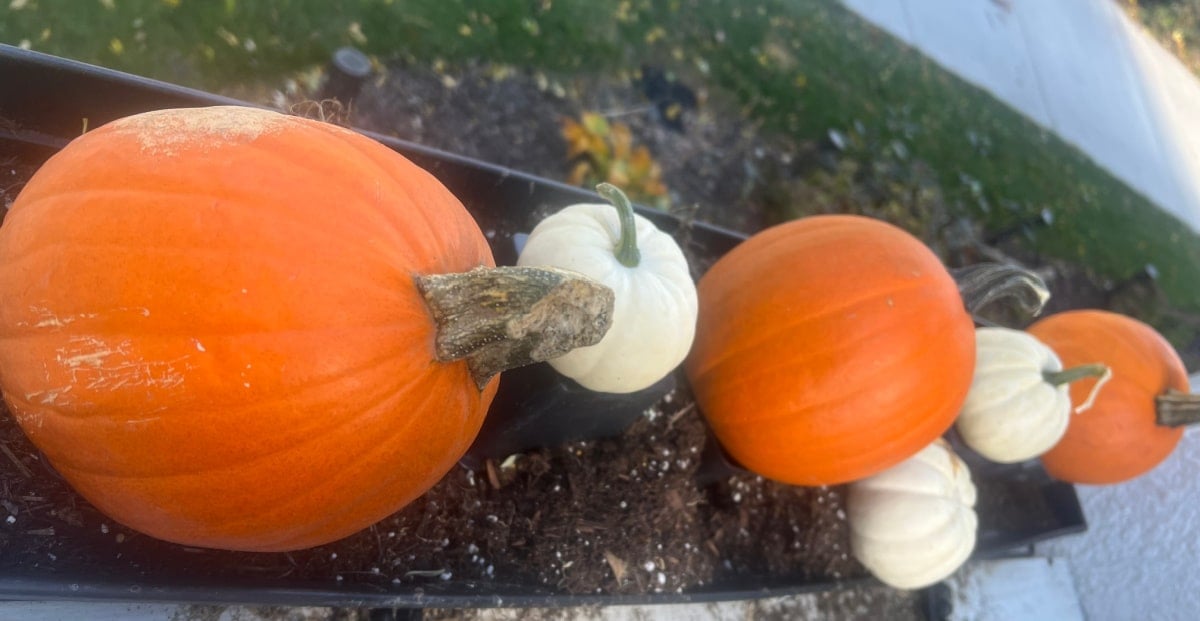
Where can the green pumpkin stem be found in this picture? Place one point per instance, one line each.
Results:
(499, 318)
(985, 283)
(627, 252)
(1073, 374)
(1177, 409)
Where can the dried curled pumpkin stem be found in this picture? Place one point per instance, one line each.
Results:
(1177, 409)
(1100, 371)
(627, 252)
(985, 283)
(505, 317)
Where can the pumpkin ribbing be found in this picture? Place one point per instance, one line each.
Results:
(830, 348)
(1118, 438)
(209, 324)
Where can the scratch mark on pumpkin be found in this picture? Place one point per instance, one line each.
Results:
(47, 318)
(27, 418)
(52, 322)
(94, 359)
(136, 422)
(98, 365)
(158, 374)
(50, 397)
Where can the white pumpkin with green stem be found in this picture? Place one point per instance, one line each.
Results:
(914, 524)
(1019, 403)
(654, 318)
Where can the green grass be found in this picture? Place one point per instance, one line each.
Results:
(991, 161)
(798, 67)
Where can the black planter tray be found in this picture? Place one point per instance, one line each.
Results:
(43, 103)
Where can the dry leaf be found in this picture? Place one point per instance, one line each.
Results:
(616, 564)
(492, 475)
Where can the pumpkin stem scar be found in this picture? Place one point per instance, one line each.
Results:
(506, 317)
(982, 284)
(1177, 409)
(627, 252)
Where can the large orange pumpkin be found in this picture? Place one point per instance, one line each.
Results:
(1118, 437)
(210, 326)
(830, 348)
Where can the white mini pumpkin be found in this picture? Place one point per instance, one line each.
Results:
(654, 318)
(914, 524)
(1019, 403)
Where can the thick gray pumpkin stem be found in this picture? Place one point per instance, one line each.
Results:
(1177, 409)
(506, 317)
(985, 283)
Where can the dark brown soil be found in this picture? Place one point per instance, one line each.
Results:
(13, 174)
(622, 515)
(713, 166)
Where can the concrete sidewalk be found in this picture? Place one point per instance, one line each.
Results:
(1081, 68)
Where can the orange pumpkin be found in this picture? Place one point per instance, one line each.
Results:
(829, 349)
(1118, 437)
(210, 326)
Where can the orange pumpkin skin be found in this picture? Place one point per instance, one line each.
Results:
(210, 326)
(1118, 438)
(829, 349)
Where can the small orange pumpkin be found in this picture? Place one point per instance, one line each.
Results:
(1119, 437)
(829, 349)
(209, 324)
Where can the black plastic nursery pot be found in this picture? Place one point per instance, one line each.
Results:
(46, 101)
